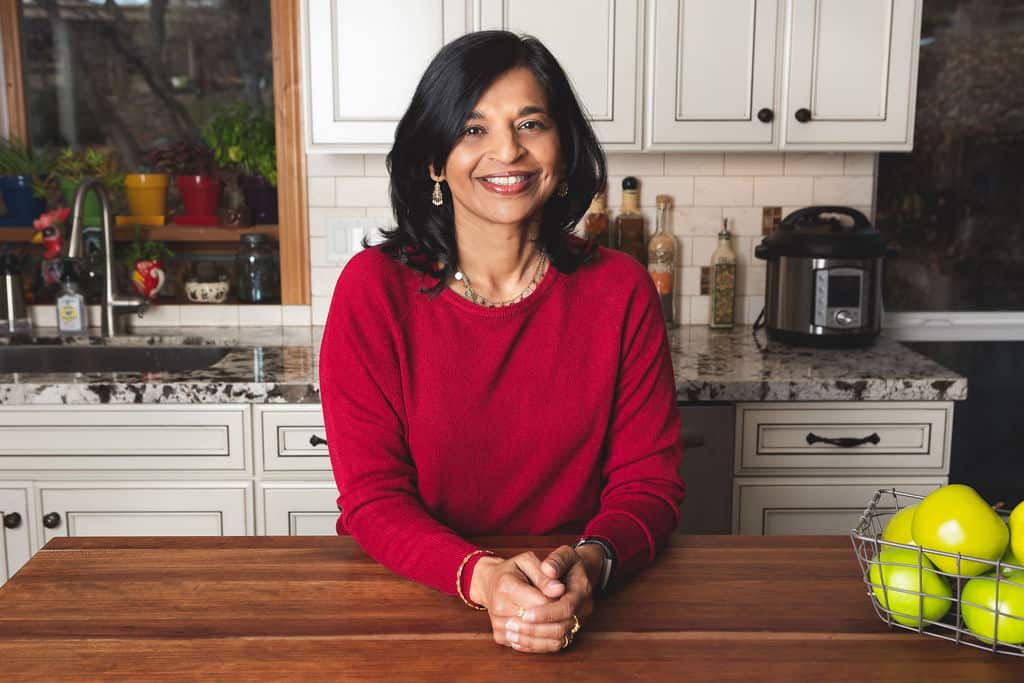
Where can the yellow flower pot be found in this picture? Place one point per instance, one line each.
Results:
(147, 194)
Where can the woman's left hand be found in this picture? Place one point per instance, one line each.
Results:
(544, 628)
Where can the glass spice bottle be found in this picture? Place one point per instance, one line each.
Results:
(723, 282)
(595, 223)
(629, 224)
(661, 258)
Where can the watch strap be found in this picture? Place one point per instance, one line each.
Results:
(608, 564)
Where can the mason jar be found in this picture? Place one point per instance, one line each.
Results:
(256, 279)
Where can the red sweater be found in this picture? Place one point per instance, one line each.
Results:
(447, 420)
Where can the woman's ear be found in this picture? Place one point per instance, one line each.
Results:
(436, 177)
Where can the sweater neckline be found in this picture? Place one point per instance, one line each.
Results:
(543, 287)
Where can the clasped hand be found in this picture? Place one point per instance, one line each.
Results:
(531, 602)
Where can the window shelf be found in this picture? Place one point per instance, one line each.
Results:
(164, 233)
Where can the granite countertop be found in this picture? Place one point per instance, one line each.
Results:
(279, 365)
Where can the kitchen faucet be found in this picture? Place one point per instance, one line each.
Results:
(111, 303)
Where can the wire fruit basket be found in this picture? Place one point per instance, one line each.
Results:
(932, 601)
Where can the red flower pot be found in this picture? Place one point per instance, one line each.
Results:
(200, 194)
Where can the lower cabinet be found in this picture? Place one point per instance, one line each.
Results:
(298, 508)
(15, 541)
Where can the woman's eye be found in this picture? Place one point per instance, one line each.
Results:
(472, 130)
(533, 125)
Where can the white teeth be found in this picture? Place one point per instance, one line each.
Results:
(506, 180)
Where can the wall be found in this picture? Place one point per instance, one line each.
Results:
(705, 188)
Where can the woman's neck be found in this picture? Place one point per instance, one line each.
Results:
(499, 260)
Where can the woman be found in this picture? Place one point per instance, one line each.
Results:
(484, 372)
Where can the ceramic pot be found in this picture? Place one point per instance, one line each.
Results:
(261, 197)
(22, 207)
(149, 278)
(200, 194)
(147, 193)
(91, 207)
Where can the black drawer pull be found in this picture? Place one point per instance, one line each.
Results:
(317, 441)
(12, 520)
(51, 520)
(844, 441)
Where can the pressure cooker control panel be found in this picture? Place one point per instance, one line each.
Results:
(837, 297)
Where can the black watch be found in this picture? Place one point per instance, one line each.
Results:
(607, 565)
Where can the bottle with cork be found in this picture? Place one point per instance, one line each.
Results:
(596, 223)
(629, 224)
(723, 282)
(661, 258)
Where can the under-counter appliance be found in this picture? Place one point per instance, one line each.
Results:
(823, 283)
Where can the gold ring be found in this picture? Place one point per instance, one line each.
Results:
(522, 611)
(576, 625)
(567, 641)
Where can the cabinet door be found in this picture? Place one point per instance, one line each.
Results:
(299, 508)
(598, 43)
(89, 508)
(852, 74)
(711, 74)
(291, 438)
(14, 535)
(363, 61)
(781, 506)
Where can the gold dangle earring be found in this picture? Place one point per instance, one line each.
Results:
(563, 190)
(437, 199)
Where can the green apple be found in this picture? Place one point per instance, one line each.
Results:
(981, 620)
(898, 528)
(1011, 559)
(897, 587)
(955, 519)
(1017, 531)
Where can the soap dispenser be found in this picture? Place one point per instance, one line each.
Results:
(72, 313)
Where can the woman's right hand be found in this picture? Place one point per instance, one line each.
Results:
(508, 587)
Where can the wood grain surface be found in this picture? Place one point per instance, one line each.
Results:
(723, 608)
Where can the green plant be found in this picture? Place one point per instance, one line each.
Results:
(75, 166)
(17, 159)
(242, 137)
(148, 250)
(182, 158)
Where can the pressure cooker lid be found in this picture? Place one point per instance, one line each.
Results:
(823, 232)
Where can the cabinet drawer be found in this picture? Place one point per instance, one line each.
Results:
(299, 508)
(285, 434)
(209, 437)
(911, 439)
(767, 506)
(171, 508)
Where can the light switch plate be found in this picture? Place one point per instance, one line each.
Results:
(345, 235)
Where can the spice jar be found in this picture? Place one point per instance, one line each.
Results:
(256, 280)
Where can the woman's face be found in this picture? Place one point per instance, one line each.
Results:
(507, 162)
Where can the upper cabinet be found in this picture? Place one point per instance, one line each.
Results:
(852, 74)
(600, 46)
(651, 74)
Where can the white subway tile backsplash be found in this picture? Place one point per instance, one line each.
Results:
(256, 315)
(361, 192)
(723, 191)
(751, 279)
(683, 310)
(321, 304)
(699, 310)
(334, 165)
(159, 315)
(752, 308)
(295, 316)
(694, 164)
(376, 165)
(320, 216)
(860, 164)
(321, 191)
(322, 280)
(624, 164)
(744, 220)
(814, 163)
(843, 190)
(694, 220)
(701, 250)
(780, 190)
(209, 314)
(690, 280)
(318, 251)
(753, 164)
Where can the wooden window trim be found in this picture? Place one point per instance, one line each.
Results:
(293, 230)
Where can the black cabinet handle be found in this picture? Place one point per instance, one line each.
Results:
(12, 520)
(317, 441)
(765, 115)
(803, 115)
(51, 520)
(845, 441)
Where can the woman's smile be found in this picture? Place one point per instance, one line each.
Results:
(509, 183)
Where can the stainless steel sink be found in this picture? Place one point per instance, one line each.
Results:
(50, 359)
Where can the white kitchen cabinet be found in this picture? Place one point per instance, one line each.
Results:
(291, 438)
(15, 535)
(362, 63)
(790, 505)
(851, 73)
(298, 508)
(599, 43)
(711, 74)
(165, 508)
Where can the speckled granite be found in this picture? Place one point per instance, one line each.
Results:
(279, 365)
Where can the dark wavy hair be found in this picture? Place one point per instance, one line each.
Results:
(453, 83)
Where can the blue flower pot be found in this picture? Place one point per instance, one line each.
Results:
(22, 207)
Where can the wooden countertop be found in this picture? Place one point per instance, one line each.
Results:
(724, 608)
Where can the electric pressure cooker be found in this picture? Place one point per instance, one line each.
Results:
(823, 283)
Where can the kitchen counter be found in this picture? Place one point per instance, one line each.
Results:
(279, 365)
(741, 608)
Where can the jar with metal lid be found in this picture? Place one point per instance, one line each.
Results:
(256, 278)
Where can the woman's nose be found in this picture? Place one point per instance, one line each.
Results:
(507, 147)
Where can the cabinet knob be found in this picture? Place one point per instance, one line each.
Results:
(765, 115)
(51, 520)
(803, 115)
(12, 520)
(317, 441)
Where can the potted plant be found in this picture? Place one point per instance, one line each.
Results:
(144, 260)
(242, 139)
(195, 176)
(71, 167)
(22, 183)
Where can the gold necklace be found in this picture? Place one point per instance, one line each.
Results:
(468, 292)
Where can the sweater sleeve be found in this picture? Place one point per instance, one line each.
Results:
(642, 491)
(364, 415)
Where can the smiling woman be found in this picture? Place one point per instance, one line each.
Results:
(484, 372)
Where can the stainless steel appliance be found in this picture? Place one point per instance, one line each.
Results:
(824, 278)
